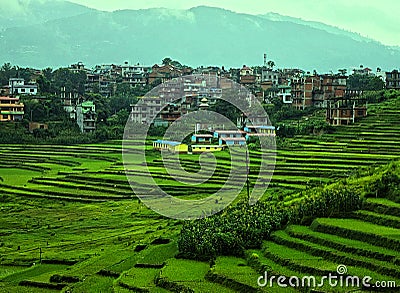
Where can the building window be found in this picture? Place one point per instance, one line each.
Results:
(5, 116)
(22, 90)
(32, 90)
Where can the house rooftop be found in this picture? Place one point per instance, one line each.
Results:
(9, 99)
(206, 145)
(261, 127)
(169, 142)
(203, 135)
(233, 138)
(229, 131)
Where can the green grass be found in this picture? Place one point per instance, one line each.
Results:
(16, 177)
(236, 269)
(139, 277)
(384, 202)
(10, 270)
(191, 274)
(356, 247)
(361, 226)
(93, 284)
(103, 235)
(32, 272)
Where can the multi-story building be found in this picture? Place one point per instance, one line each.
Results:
(75, 68)
(269, 75)
(99, 83)
(11, 109)
(134, 74)
(146, 109)
(362, 71)
(393, 79)
(86, 116)
(344, 113)
(17, 86)
(163, 73)
(285, 94)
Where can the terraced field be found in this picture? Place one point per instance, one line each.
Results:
(69, 220)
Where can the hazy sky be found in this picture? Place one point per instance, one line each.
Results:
(379, 20)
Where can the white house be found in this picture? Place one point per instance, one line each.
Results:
(18, 86)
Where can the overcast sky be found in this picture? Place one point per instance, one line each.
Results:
(379, 20)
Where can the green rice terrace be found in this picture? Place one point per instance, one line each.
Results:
(69, 221)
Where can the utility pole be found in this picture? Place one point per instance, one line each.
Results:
(247, 175)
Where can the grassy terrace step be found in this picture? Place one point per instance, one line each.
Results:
(188, 274)
(75, 155)
(337, 161)
(29, 192)
(139, 279)
(58, 182)
(33, 272)
(351, 156)
(379, 219)
(307, 263)
(326, 252)
(348, 245)
(52, 151)
(234, 273)
(103, 148)
(78, 191)
(39, 159)
(298, 260)
(89, 182)
(383, 206)
(262, 264)
(328, 165)
(359, 230)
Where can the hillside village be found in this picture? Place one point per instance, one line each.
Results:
(341, 95)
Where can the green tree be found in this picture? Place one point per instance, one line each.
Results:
(271, 64)
(166, 61)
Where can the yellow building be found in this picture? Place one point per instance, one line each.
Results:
(262, 130)
(11, 109)
(200, 148)
(172, 146)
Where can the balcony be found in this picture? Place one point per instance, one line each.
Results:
(12, 112)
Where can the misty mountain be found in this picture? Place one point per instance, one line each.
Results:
(29, 12)
(198, 36)
(315, 24)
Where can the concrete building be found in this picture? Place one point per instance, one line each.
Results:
(11, 109)
(344, 112)
(268, 75)
(285, 94)
(146, 109)
(37, 125)
(172, 146)
(18, 86)
(86, 116)
(393, 79)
